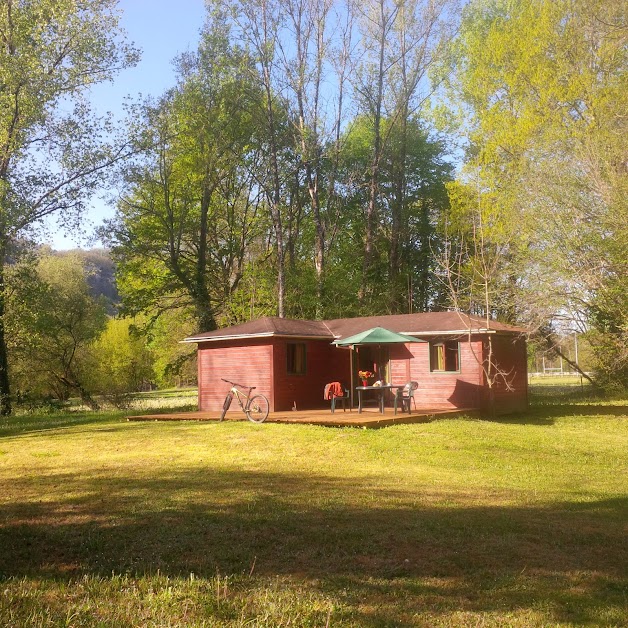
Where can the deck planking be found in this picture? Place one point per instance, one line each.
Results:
(367, 419)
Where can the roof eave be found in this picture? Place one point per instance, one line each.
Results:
(268, 334)
(450, 332)
(458, 332)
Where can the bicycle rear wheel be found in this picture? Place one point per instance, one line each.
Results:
(226, 404)
(257, 409)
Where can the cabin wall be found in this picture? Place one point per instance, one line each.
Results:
(324, 363)
(467, 388)
(248, 362)
(440, 390)
(510, 390)
(262, 362)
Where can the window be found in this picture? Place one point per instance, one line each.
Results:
(444, 356)
(296, 358)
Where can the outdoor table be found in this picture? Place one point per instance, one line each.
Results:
(381, 389)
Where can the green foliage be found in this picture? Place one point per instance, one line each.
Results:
(173, 363)
(541, 87)
(477, 261)
(120, 360)
(413, 170)
(52, 152)
(609, 336)
(412, 198)
(53, 311)
(256, 295)
(25, 293)
(190, 208)
(250, 199)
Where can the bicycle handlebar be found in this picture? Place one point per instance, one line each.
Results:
(240, 385)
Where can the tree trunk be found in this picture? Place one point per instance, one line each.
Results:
(309, 18)
(397, 301)
(204, 309)
(205, 317)
(69, 382)
(5, 389)
(548, 339)
(275, 206)
(273, 192)
(424, 259)
(371, 210)
(490, 370)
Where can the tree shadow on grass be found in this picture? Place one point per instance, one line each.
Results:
(372, 544)
(32, 423)
(530, 417)
(547, 414)
(591, 409)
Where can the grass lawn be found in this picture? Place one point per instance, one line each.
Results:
(557, 380)
(514, 522)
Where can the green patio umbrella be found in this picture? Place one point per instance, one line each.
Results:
(375, 336)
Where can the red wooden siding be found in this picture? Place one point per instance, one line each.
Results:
(324, 364)
(440, 390)
(247, 362)
(400, 356)
(511, 386)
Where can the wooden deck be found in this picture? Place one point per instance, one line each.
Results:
(367, 419)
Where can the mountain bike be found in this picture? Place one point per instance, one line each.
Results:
(256, 407)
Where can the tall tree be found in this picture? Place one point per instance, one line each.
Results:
(51, 51)
(399, 40)
(413, 210)
(60, 322)
(545, 83)
(315, 32)
(190, 203)
(301, 47)
(419, 34)
(378, 18)
(259, 23)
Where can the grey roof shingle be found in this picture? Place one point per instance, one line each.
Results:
(423, 323)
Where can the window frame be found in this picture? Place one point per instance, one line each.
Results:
(294, 373)
(436, 343)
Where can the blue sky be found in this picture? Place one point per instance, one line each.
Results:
(161, 29)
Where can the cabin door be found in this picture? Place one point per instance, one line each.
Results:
(375, 359)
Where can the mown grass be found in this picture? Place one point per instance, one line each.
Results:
(519, 521)
(180, 399)
(558, 380)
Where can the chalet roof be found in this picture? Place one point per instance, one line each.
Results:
(420, 324)
(268, 326)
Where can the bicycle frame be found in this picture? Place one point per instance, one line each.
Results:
(239, 395)
(255, 407)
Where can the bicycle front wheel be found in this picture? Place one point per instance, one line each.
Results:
(257, 409)
(226, 404)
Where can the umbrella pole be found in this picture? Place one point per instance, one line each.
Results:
(351, 371)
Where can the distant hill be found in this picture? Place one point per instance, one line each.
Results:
(102, 281)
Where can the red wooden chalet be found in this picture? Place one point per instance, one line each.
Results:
(291, 361)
